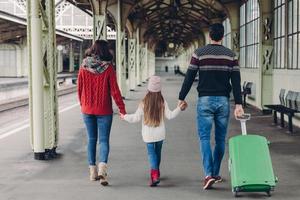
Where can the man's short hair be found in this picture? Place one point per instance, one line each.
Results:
(216, 31)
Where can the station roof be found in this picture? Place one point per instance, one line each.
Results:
(170, 21)
(12, 28)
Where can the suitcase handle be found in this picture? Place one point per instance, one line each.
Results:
(245, 117)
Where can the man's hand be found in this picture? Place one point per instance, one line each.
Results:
(182, 104)
(238, 111)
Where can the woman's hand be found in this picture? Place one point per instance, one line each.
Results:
(122, 116)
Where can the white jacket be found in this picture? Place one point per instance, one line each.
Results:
(152, 134)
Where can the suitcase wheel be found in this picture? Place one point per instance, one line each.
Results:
(269, 193)
(236, 194)
(235, 191)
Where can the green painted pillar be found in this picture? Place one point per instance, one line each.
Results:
(80, 53)
(132, 63)
(266, 53)
(121, 53)
(59, 60)
(50, 86)
(42, 78)
(138, 58)
(71, 57)
(34, 32)
(99, 29)
(145, 63)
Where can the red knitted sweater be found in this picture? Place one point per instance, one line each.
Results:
(95, 91)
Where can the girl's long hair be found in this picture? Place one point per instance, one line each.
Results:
(154, 109)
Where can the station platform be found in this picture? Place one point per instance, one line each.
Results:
(14, 90)
(21, 177)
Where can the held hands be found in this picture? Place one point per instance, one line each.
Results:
(122, 116)
(182, 105)
(238, 111)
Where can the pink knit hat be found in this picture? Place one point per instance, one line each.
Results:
(154, 84)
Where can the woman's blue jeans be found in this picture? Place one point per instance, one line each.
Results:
(154, 154)
(212, 109)
(98, 128)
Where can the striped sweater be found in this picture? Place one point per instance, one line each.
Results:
(219, 73)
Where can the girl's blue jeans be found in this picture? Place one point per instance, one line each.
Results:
(154, 154)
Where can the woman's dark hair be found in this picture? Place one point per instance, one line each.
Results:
(100, 48)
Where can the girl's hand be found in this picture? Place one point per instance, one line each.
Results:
(182, 105)
(122, 116)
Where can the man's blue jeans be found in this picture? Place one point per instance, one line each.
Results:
(98, 128)
(212, 109)
(154, 154)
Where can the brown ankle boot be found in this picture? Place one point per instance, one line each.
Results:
(102, 173)
(93, 172)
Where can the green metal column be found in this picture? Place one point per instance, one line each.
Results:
(151, 63)
(120, 51)
(36, 101)
(99, 27)
(267, 52)
(99, 19)
(42, 78)
(234, 18)
(142, 64)
(71, 57)
(59, 61)
(145, 63)
(50, 87)
(138, 56)
(132, 63)
(123, 64)
(80, 53)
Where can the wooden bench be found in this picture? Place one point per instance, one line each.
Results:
(246, 91)
(289, 105)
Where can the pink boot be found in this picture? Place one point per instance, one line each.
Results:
(154, 178)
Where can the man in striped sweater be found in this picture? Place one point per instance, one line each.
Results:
(219, 73)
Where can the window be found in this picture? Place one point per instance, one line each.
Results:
(227, 33)
(279, 35)
(289, 39)
(293, 35)
(249, 34)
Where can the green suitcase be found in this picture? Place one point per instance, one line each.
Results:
(250, 164)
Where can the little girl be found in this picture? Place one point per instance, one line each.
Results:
(153, 108)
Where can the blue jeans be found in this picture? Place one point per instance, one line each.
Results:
(98, 127)
(154, 154)
(212, 109)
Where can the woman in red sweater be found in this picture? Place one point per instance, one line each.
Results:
(97, 83)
